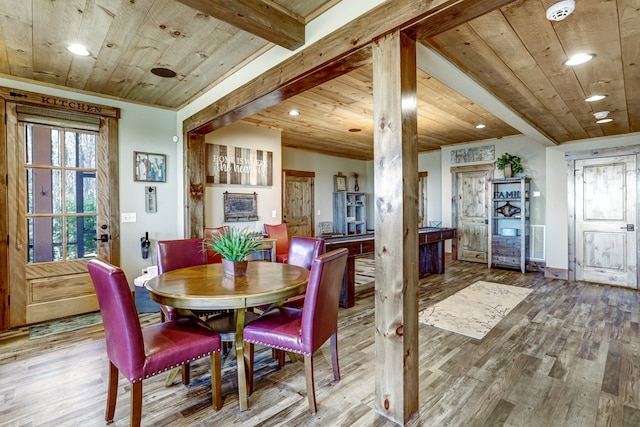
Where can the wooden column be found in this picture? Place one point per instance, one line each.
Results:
(396, 225)
(194, 160)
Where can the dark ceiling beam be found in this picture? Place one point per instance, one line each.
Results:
(259, 17)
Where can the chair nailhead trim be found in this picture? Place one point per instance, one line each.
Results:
(171, 367)
(278, 347)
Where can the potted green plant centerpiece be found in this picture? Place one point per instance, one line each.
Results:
(510, 164)
(234, 245)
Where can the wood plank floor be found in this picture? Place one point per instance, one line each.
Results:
(568, 355)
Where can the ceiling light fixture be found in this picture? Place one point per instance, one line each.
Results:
(601, 115)
(593, 98)
(355, 130)
(561, 10)
(481, 126)
(578, 59)
(78, 49)
(601, 121)
(294, 113)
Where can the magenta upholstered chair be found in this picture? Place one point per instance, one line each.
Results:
(304, 331)
(279, 232)
(302, 252)
(140, 353)
(179, 253)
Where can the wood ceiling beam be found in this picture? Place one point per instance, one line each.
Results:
(332, 56)
(260, 17)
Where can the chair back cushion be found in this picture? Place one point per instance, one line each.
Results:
(181, 253)
(278, 232)
(214, 257)
(303, 250)
(125, 345)
(320, 311)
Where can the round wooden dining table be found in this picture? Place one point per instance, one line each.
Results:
(207, 287)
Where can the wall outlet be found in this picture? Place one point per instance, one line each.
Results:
(274, 214)
(318, 212)
(128, 217)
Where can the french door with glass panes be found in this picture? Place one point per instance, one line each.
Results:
(56, 221)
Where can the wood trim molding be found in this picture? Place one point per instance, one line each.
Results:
(54, 102)
(603, 152)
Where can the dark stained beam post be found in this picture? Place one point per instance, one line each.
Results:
(396, 223)
(256, 17)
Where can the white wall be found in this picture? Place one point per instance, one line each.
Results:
(533, 161)
(557, 207)
(140, 128)
(325, 167)
(269, 198)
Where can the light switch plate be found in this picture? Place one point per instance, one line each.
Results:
(128, 217)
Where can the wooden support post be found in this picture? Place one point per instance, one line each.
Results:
(396, 225)
(194, 155)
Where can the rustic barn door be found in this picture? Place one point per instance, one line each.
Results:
(59, 204)
(297, 202)
(605, 224)
(470, 188)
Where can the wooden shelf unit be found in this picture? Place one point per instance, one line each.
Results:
(509, 223)
(349, 212)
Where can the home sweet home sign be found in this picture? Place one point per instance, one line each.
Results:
(239, 166)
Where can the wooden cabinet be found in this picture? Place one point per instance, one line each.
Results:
(349, 212)
(509, 223)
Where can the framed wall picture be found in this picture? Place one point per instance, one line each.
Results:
(339, 182)
(149, 167)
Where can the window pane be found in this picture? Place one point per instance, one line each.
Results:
(44, 239)
(56, 191)
(43, 191)
(43, 146)
(80, 150)
(70, 189)
(89, 193)
(81, 233)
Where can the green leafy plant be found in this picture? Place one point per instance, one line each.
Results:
(234, 244)
(516, 163)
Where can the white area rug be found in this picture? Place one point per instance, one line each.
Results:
(474, 310)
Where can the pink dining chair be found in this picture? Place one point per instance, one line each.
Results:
(302, 252)
(304, 331)
(139, 353)
(214, 257)
(279, 232)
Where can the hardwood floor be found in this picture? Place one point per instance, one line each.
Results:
(568, 355)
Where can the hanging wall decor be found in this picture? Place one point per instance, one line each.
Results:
(238, 166)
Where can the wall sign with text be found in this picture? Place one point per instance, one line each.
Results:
(238, 166)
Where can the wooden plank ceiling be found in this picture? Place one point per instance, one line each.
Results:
(515, 53)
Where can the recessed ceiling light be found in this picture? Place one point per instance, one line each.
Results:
(593, 98)
(294, 113)
(481, 126)
(163, 72)
(78, 49)
(601, 121)
(578, 59)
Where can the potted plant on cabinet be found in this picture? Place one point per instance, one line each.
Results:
(510, 164)
(234, 245)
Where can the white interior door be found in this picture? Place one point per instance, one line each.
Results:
(606, 212)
